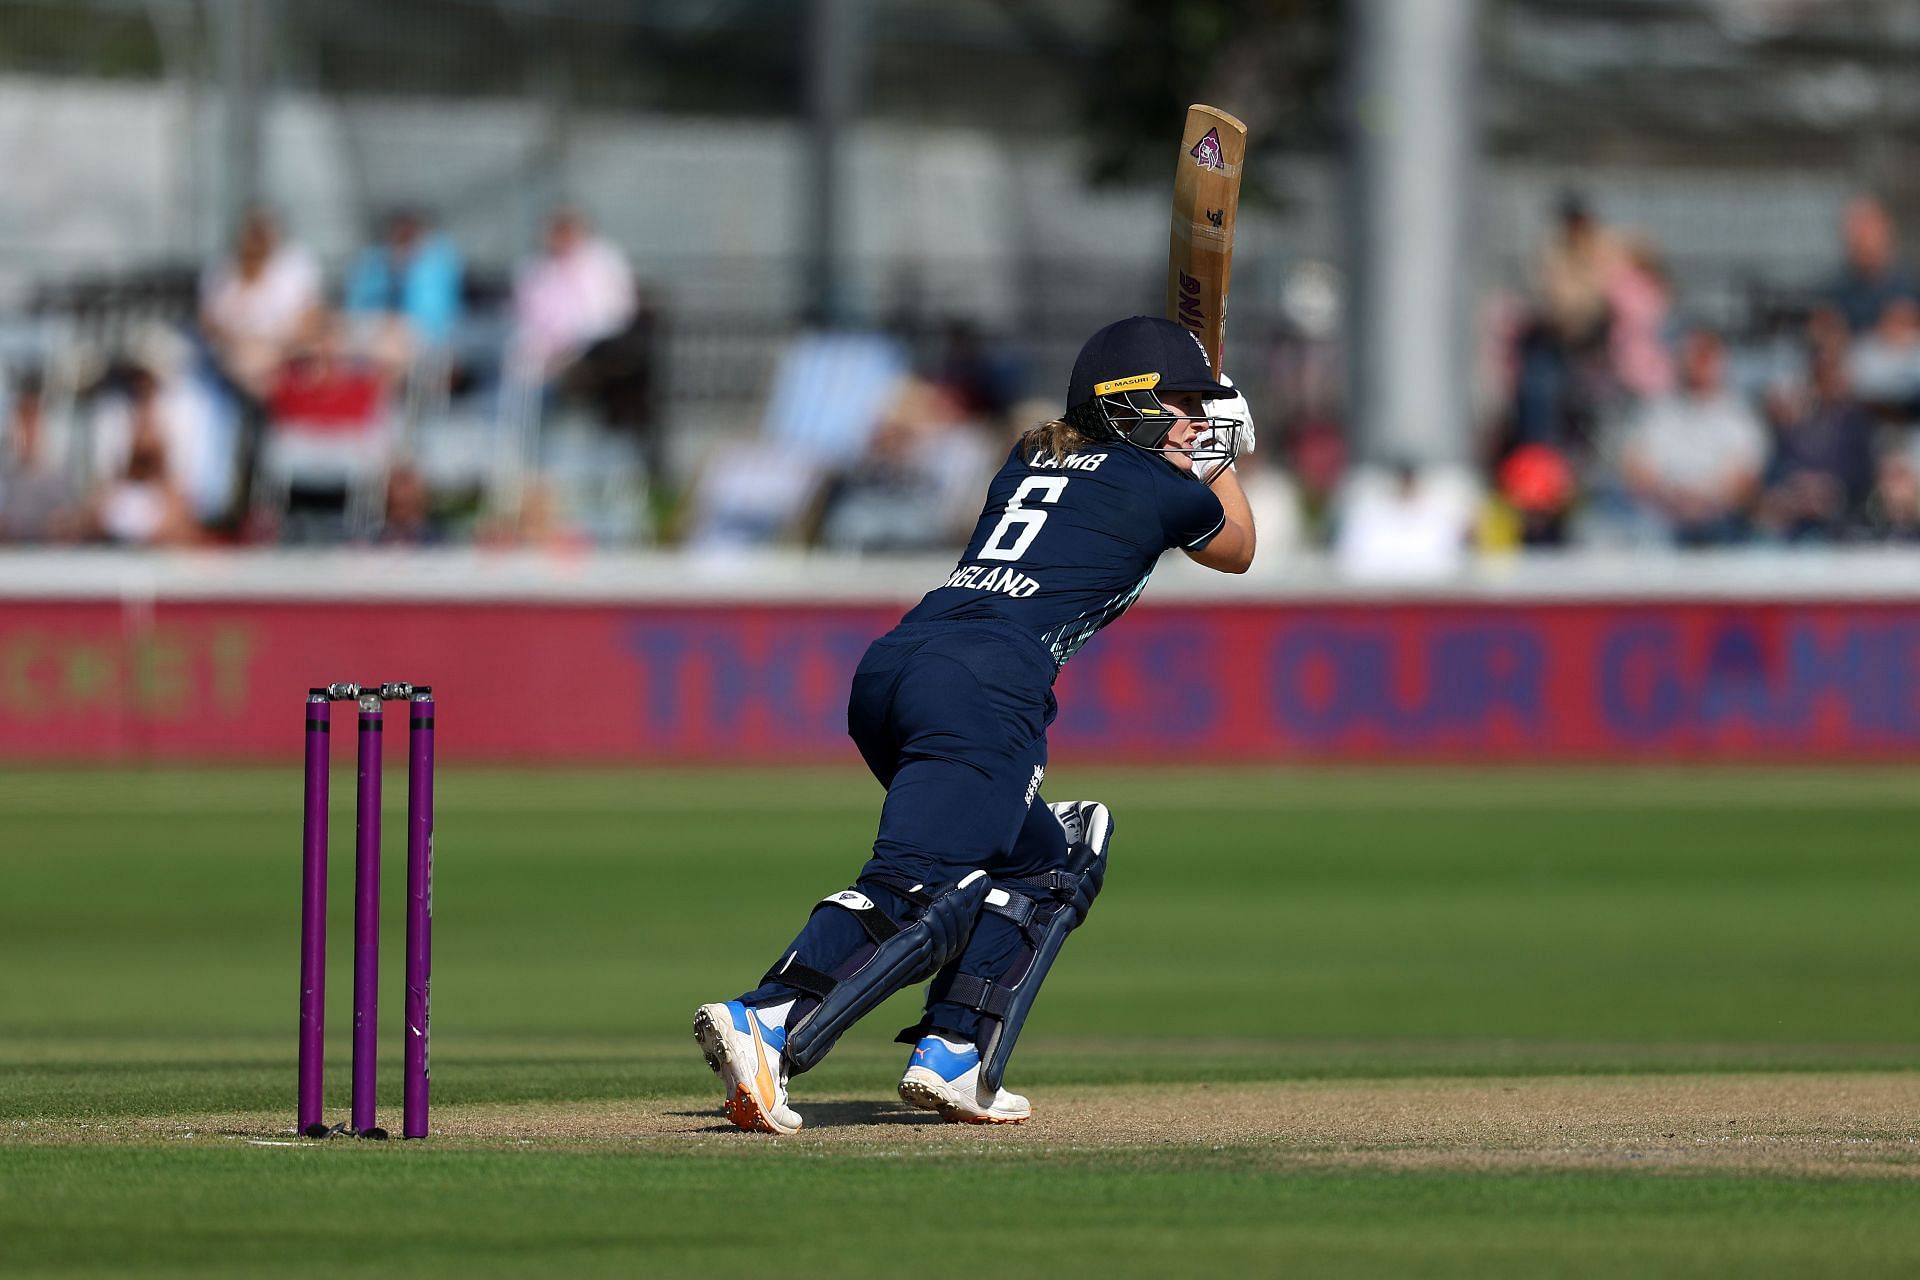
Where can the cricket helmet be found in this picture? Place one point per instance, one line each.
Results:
(1123, 370)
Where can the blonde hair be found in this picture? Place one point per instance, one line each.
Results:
(1054, 438)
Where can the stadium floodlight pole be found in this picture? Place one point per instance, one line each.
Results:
(415, 1064)
(313, 918)
(1414, 146)
(245, 53)
(366, 919)
(834, 67)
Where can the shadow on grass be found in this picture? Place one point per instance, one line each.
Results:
(836, 1115)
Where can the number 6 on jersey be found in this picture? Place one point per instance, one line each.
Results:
(1023, 522)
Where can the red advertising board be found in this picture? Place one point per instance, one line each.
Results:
(1458, 681)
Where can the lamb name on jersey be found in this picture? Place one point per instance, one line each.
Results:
(1072, 462)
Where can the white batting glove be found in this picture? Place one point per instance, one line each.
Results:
(1210, 454)
(1236, 408)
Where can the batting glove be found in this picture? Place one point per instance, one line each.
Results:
(1236, 409)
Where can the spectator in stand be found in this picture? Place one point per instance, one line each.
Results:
(985, 377)
(579, 291)
(158, 381)
(1567, 339)
(1873, 274)
(1822, 470)
(36, 502)
(1691, 461)
(1403, 526)
(876, 505)
(1576, 266)
(915, 485)
(254, 308)
(580, 330)
(1639, 298)
(403, 294)
(1536, 486)
(409, 520)
(1314, 454)
(142, 505)
(1893, 514)
(615, 375)
(1884, 365)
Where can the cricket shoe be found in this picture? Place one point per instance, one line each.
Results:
(944, 1076)
(745, 1052)
(1086, 822)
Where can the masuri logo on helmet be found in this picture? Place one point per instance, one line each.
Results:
(1138, 382)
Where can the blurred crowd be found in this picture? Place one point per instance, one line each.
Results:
(1626, 422)
(278, 410)
(402, 402)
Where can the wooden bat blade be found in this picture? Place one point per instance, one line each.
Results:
(1206, 204)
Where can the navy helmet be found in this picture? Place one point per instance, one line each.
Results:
(1122, 371)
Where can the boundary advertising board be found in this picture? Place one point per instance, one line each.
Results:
(536, 682)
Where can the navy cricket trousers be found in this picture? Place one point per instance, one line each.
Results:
(952, 718)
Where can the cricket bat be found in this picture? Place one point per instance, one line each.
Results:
(1206, 201)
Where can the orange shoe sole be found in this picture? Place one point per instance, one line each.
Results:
(744, 1110)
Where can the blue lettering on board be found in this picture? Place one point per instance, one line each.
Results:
(1451, 680)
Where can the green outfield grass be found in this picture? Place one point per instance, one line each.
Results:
(1361, 927)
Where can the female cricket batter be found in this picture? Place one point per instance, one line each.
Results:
(974, 879)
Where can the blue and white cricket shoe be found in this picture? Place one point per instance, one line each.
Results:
(944, 1076)
(744, 1049)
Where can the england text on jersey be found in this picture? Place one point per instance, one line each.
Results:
(979, 577)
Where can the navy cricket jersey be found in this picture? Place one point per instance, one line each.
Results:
(1065, 545)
